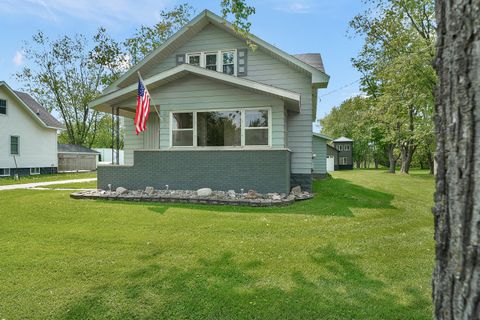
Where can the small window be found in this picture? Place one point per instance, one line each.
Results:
(194, 59)
(182, 129)
(3, 106)
(340, 147)
(256, 128)
(346, 147)
(343, 160)
(228, 62)
(211, 61)
(4, 172)
(14, 145)
(34, 171)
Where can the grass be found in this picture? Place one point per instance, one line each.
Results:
(74, 185)
(362, 249)
(47, 177)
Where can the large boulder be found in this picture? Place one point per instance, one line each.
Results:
(296, 190)
(149, 190)
(204, 192)
(121, 190)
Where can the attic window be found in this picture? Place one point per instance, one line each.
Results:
(222, 61)
(3, 106)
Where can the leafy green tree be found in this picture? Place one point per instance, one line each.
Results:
(65, 74)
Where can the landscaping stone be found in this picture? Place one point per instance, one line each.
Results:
(204, 192)
(121, 191)
(296, 190)
(203, 196)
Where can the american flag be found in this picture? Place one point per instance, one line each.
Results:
(143, 107)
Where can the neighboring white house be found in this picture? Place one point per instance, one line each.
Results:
(28, 135)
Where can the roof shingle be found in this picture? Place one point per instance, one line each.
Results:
(39, 110)
(313, 59)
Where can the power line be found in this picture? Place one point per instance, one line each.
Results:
(341, 88)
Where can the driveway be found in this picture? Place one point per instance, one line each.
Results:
(42, 184)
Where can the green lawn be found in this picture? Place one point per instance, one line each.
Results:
(73, 185)
(362, 249)
(47, 177)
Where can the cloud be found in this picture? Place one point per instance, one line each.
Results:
(295, 6)
(18, 58)
(106, 12)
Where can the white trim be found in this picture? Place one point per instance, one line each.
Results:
(5, 174)
(242, 129)
(340, 147)
(6, 108)
(219, 54)
(346, 147)
(34, 173)
(343, 160)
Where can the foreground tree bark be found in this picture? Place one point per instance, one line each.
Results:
(456, 277)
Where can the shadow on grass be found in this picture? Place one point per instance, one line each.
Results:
(333, 197)
(223, 288)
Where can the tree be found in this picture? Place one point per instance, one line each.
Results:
(456, 277)
(148, 38)
(64, 75)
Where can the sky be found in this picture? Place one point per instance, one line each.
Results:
(295, 26)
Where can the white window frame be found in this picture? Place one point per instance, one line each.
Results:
(219, 53)
(6, 108)
(35, 171)
(343, 160)
(340, 147)
(242, 127)
(346, 147)
(18, 146)
(4, 174)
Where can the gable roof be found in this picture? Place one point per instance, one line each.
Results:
(343, 139)
(74, 148)
(313, 59)
(104, 102)
(319, 77)
(34, 108)
(322, 136)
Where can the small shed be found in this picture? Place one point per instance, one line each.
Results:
(320, 155)
(73, 158)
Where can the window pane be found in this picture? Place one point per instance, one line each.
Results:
(257, 118)
(256, 137)
(14, 145)
(227, 61)
(182, 120)
(228, 69)
(3, 106)
(182, 138)
(218, 128)
(228, 57)
(211, 62)
(195, 60)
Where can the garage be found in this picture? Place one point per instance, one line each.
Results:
(75, 158)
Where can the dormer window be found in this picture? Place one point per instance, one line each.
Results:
(3, 106)
(221, 61)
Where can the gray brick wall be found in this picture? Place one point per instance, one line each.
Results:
(261, 170)
(305, 181)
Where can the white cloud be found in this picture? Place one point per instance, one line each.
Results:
(295, 6)
(18, 58)
(107, 12)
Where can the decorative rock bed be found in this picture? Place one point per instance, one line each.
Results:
(202, 196)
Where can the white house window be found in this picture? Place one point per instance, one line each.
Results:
(194, 59)
(182, 129)
(221, 128)
(228, 62)
(34, 171)
(211, 61)
(256, 128)
(3, 106)
(222, 61)
(346, 147)
(4, 172)
(343, 160)
(14, 145)
(340, 147)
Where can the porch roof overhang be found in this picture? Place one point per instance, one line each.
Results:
(108, 100)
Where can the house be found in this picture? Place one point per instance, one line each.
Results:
(108, 155)
(321, 164)
(223, 116)
(344, 156)
(28, 135)
(74, 158)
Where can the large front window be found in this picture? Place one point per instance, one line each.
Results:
(222, 128)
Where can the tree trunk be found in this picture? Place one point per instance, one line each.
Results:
(358, 162)
(456, 277)
(391, 159)
(431, 165)
(375, 160)
(406, 155)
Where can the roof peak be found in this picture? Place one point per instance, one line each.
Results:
(343, 139)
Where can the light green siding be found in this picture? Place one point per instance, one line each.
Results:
(148, 139)
(195, 94)
(320, 152)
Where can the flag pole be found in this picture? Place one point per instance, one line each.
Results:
(141, 79)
